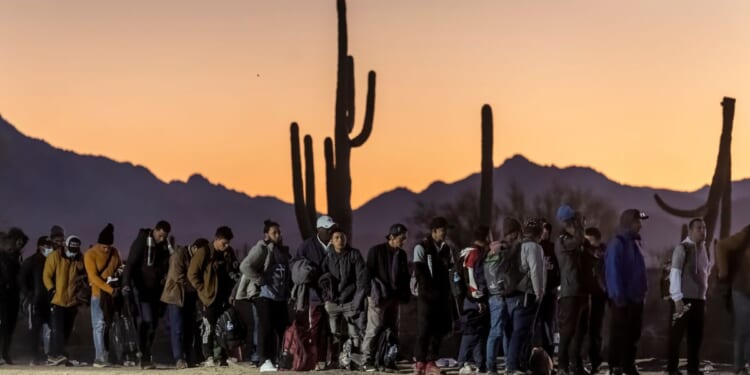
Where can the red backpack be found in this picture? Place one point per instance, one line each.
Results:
(298, 352)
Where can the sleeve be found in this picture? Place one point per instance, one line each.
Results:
(363, 277)
(372, 262)
(675, 274)
(419, 256)
(195, 275)
(537, 268)
(89, 262)
(571, 243)
(25, 276)
(176, 262)
(471, 261)
(253, 262)
(613, 274)
(725, 249)
(48, 275)
(134, 257)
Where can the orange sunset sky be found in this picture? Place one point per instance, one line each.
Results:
(631, 89)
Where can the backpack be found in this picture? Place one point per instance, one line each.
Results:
(297, 352)
(230, 330)
(503, 271)
(666, 270)
(386, 351)
(123, 335)
(458, 278)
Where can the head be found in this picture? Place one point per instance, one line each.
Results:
(532, 230)
(631, 220)
(44, 245)
(73, 245)
(482, 235)
(338, 239)
(272, 232)
(325, 225)
(397, 235)
(439, 229)
(200, 243)
(57, 235)
(17, 239)
(511, 229)
(569, 218)
(222, 237)
(593, 236)
(697, 230)
(546, 230)
(107, 237)
(161, 231)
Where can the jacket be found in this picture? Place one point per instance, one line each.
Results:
(691, 267)
(314, 252)
(532, 264)
(30, 280)
(252, 269)
(431, 266)
(733, 260)
(390, 267)
(60, 273)
(349, 274)
(569, 253)
(10, 266)
(202, 274)
(98, 269)
(625, 269)
(302, 272)
(147, 266)
(177, 284)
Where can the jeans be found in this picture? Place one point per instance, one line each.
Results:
(521, 310)
(98, 325)
(474, 344)
(499, 319)
(741, 307)
(182, 329)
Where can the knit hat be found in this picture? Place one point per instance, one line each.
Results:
(565, 213)
(107, 236)
(510, 226)
(56, 231)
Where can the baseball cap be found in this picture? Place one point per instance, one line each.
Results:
(325, 222)
(565, 213)
(396, 230)
(632, 214)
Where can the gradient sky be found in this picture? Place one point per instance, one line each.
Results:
(629, 88)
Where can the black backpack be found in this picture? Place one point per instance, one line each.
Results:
(230, 330)
(386, 352)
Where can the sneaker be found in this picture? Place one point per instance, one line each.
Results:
(466, 369)
(129, 364)
(419, 368)
(56, 360)
(209, 362)
(101, 364)
(369, 366)
(268, 366)
(147, 365)
(321, 366)
(181, 364)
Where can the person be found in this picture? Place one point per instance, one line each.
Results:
(595, 285)
(268, 284)
(574, 299)
(498, 293)
(475, 316)
(625, 271)
(181, 299)
(688, 283)
(312, 251)
(210, 273)
(346, 272)
(101, 262)
(62, 269)
(388, 268)
(11, 245)
(36, 299)
(733, 266)
(432, 262)
(57, 236)
(146, 270)
(548, 311)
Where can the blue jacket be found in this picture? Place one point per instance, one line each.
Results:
(625, 269)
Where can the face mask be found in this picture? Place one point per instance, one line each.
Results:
(47, 251)
(70, 254)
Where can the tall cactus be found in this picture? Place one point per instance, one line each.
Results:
(720, 192)
(486, 202)
(304, 197)
(337, 150)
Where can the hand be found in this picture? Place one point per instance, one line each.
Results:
(116, 292)
(482, 308)
(679, 307)
(51, 294)
(126, 290)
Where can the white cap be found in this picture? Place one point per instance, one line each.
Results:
(325, 222)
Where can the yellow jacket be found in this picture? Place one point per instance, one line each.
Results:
(60, 274)
(95, 259)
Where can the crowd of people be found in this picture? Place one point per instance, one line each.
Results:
(504, 296)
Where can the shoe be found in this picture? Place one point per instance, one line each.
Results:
(581, 371)
(181, 364)
(147, 365)
(101, 364)
(431, 369)
(419, 368)
(56, 360)
(369, 366)
(321, 366)
(466, 369)
(209, 362)
(268, 366)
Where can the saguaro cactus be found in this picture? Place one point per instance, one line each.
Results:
(720, 192)
(338, 149)
(304, 199)
(486, 202)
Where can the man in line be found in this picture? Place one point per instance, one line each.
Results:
(37, 299)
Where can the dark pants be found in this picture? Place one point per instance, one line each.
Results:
(692, 322)
(433, 322)
(9, 303)
(182, 328)
(61, 324)
(573, 311)
(625, 331)
(474, 338)
(548, 322)
(249, 316)
(274, 319)
(210, 314)
(150, 310)
(591, 323)
(39, 315)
